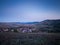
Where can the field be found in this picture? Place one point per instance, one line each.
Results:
(12, 38)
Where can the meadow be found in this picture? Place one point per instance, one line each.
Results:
(14, 38)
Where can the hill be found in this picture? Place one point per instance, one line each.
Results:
(49, 26)
(43, 26)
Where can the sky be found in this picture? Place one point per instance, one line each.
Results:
(29, 10)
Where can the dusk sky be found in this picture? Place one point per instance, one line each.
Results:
(29, 10)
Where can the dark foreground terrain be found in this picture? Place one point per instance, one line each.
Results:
(12, 38)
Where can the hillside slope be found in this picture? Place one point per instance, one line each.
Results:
(49, 26)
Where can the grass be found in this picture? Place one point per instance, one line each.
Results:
(12, 38)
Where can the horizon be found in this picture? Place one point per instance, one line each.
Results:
(30, 21)
(29, 10)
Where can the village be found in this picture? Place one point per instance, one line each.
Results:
(21, 29)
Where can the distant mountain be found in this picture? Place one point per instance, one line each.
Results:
(26, 22)
(18, 22)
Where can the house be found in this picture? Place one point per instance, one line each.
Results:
(26, 30)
